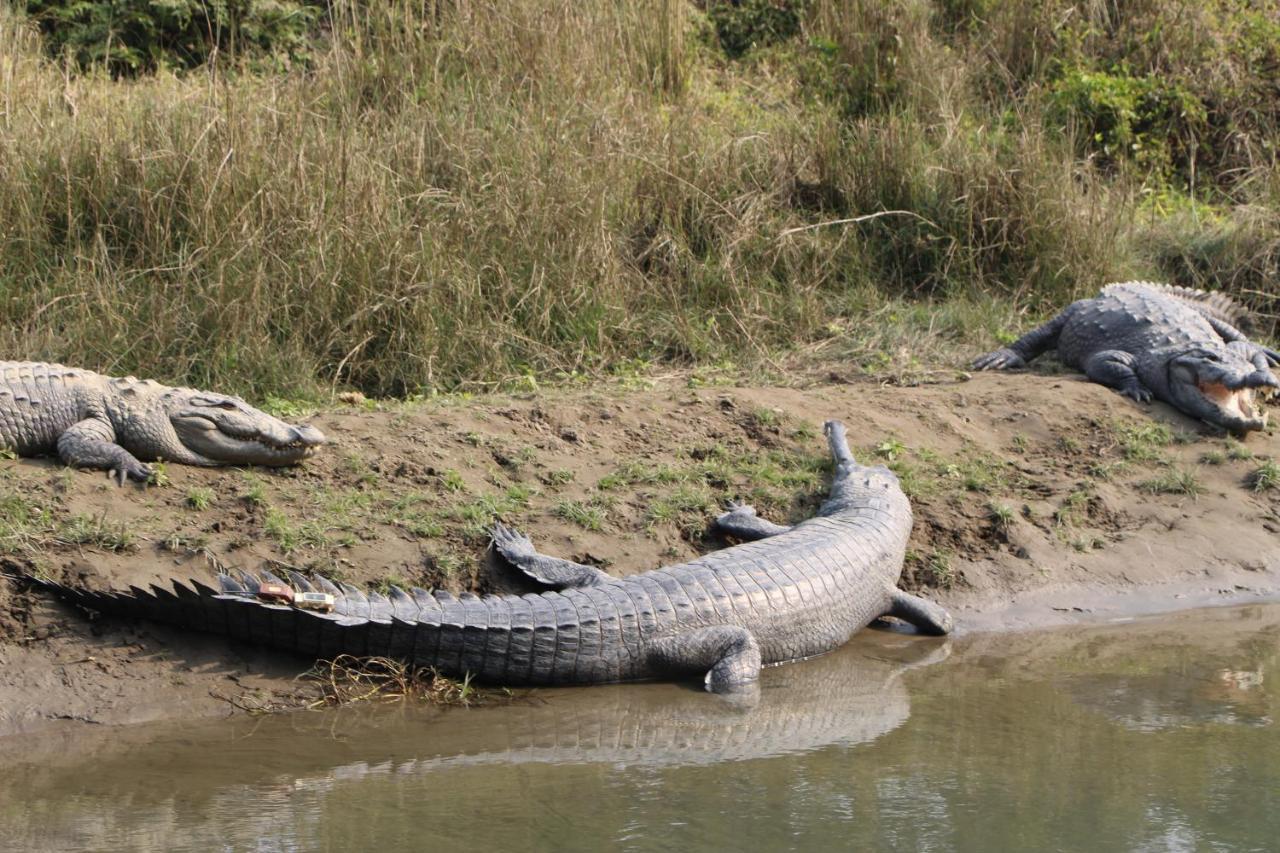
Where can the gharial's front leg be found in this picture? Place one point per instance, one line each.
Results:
(91, 443)
(728, 654)
(927, 617)
(741, 522)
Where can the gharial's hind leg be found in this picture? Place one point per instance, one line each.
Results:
(556, 573)
(927, 617)
(727, 653)
(741, 522)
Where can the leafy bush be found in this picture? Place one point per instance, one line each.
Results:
(1148, 120)
(746, 24)
(134, 36)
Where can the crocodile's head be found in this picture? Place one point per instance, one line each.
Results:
(1220, 386)
(221, 430)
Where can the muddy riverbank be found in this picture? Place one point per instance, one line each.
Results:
(1039, 500)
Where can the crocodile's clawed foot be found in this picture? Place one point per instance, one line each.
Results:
(1137, 393)
(131, 469)
(1002, 359)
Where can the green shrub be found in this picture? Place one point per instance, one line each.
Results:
(132, 36)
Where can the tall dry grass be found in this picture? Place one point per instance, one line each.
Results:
(459, 193)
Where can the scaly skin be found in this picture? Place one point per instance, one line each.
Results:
(1150, 340)
(95, 421)
(790, 594)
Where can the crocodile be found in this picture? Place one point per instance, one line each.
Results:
(96, 421)
(782, 594)
(1147, 340)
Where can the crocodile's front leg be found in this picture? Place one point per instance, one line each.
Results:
(728, 654)
(1024, 349)
(1115, 369)
(741, 522)
(91, 443)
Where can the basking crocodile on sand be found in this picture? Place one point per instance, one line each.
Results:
(1156, 340)
(96, 421)
(784, 594)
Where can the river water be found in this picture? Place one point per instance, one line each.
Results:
(1147, 736)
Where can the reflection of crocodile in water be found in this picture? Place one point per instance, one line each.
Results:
(798, 592)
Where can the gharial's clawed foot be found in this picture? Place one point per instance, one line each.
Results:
(1002, 359)
(510, 542)
(736, 511)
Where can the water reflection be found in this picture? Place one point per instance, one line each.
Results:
(1153, 735)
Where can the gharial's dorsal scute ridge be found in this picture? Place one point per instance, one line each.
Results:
(96, 421)
(786, 593)
(1150, 340)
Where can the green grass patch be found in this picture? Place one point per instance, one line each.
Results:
(1175, 481)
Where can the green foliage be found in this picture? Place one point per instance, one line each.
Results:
(134, 36)
(742, 25)
(1149, 120)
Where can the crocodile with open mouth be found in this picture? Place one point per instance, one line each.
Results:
(1150, 340)
(96, 421)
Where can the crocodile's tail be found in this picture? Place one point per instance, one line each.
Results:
(359, 624)
(1216, 304)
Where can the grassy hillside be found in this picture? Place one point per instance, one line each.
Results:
(442, 195)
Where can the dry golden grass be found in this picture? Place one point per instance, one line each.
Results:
(457, 195)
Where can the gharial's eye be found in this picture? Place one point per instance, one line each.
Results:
(227, 404)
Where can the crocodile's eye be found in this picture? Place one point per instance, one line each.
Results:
(227, 404)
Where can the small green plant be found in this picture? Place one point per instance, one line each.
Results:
(1237, 452)
(1002, 516)
(1074, 508)
(1266, 477)
(559, 477)
(159, 475)
(1175, 481)
(83, 529)
(452, 480)
(200, 498)
(255, 493)
(890, 449)
(8, 453)
(588, 515)
(1213, 457)
(1144, 442)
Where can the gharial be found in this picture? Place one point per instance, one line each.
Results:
(96, 421)
(1149, 340)
(784, 594)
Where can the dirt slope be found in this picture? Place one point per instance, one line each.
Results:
(1038, 499)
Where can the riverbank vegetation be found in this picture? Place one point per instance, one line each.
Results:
(285, 198)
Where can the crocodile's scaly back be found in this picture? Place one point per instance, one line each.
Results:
(1215, 304)
(793, 593)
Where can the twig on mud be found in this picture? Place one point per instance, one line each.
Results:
(347, 679)
(857, 219)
